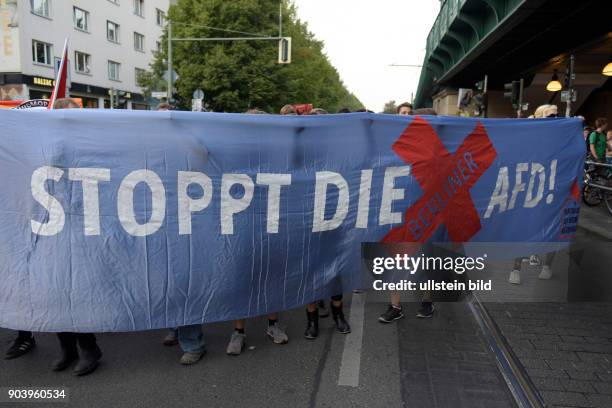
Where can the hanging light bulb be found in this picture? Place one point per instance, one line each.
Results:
(607, 70)
(554, 85)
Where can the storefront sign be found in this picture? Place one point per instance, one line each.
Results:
(43, 81)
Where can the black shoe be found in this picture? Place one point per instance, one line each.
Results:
(323, 310)
(65, 360)
(21, 346)
(312, 330)
(426, 310)
(88, 362)
(392, 313)
(341, 323)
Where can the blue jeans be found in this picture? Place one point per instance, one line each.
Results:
(191, 339)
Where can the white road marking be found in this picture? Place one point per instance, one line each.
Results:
(351, 355)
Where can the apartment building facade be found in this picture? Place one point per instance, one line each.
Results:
(110, 43)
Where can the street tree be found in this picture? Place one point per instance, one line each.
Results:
(238, 75)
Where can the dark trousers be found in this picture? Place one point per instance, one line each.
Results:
(24, 335)
(69, 341)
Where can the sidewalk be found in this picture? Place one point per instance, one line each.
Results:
(566, 349)
(596, 221)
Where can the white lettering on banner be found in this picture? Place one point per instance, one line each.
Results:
(391, 194)
(363, 208)
(274, 182)
(188, 205)
(56, 219)
(503, 198)
(518, 184)
(231, 205)
(91, 199)
(500, 193)
(533, 190)
(125, 203)
(531, 200)
(322, 182)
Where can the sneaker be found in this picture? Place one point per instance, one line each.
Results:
(276, 334)
(20, 347)
(546, 273)
(312, 328)
(515, 277)
(323, 310)
(171, 338)
(236, 344)
(191, 358)
(427, 310)
(534, 260)
(392, 313)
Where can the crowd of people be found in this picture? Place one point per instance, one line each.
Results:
(83, 349)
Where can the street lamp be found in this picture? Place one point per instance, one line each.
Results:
(554, 85)
(607, 70)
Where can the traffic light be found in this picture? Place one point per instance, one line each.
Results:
(284, 50)
(512, 91)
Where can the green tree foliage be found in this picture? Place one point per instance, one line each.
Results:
(238, 75)
(390, 107)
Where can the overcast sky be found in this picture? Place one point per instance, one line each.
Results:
(363, 37)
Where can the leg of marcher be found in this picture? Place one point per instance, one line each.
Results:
(89, 356)
(394, 310)
(171, 338)
(274, 331)
(238, 339)
(21, 345)
(192, 343)
(323, 310)
(312, 328)
(427, 307)
(546, 272)
(338, 314)
(68, 351)
(515, 275)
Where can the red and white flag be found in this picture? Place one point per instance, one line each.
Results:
(59, 91)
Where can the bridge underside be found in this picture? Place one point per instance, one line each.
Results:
(509, 39)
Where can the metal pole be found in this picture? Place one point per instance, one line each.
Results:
(486, 99)
(280, 19)
(520, 103)
(568, 107)
(170, 68)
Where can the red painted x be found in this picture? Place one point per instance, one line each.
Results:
(446, 180)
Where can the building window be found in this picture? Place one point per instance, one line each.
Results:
(112, 31)
(113, 70)
(160, 17)
(139, 7)
(81, 19)
(41, 52)
(138, 42)
(82, 62)
(40, 7)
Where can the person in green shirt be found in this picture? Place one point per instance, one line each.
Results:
(597, 140)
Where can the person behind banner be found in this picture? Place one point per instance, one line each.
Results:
(405, 109)
(88, 358)
(274, 331)
(394, 309)
(317, 309)
(597, 140)
(542, 111)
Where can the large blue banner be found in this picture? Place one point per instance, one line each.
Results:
(116, 221)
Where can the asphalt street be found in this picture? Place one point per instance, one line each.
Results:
(438, 362)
